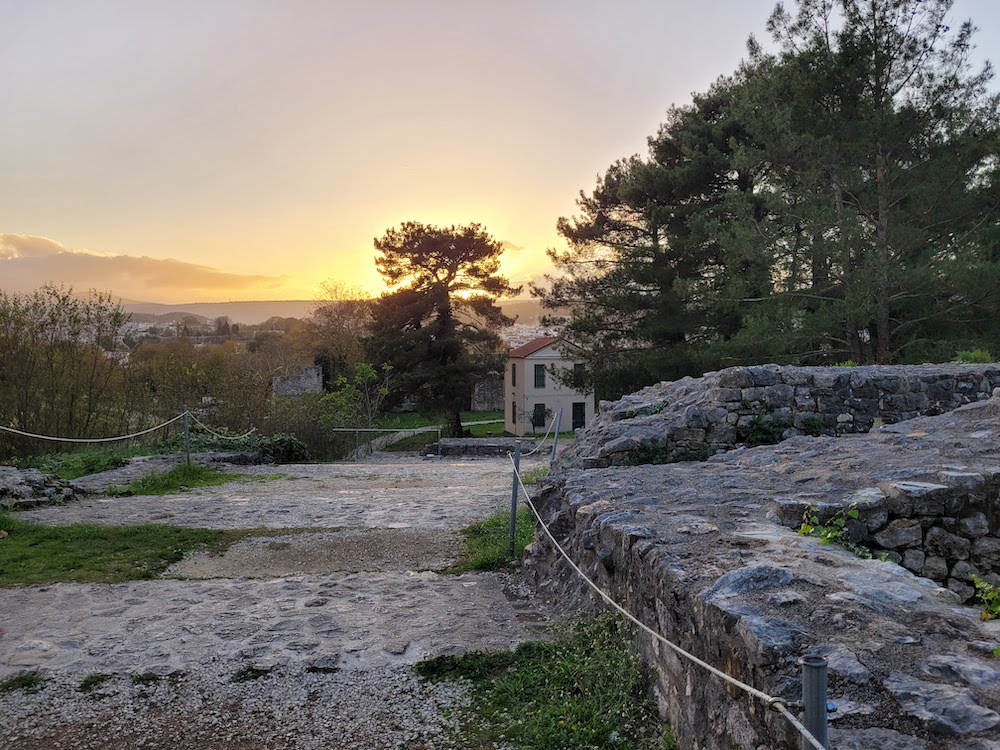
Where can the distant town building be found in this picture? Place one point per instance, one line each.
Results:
(534, 395)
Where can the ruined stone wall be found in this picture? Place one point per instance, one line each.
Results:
(703, 552)
(693, 417)
(309, 380)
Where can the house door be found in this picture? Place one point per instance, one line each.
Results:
(579, 414)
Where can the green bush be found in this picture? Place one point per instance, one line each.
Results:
(760, 431)
(283, 449)
(974, 357)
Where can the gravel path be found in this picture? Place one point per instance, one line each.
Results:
(336, 644)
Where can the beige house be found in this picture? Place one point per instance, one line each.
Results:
(534, 396)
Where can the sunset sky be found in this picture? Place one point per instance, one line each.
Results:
(208, 150)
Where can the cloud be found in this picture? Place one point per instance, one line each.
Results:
(28, 246)
(27, 262)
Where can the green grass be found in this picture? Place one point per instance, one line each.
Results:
(485, 544)
(584, 689)
(146, 678)
(29, 682)
(247, 673)
(180, 478)
(531, 476)
(33, 553)
(91, 682)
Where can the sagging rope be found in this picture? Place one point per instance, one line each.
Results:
(538, 447)
(773, 702)
(91, 440)
(219, 435)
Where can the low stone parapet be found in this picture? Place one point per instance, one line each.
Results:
(692, 418)
(703, 553)
(498, 446)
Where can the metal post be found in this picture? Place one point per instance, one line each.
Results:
(251, 437)
(513, 497)
(814, 699)
(555, 438)
(439, 441)
(187, 436)
(357, 445)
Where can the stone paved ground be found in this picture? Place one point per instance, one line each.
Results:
(337, 643)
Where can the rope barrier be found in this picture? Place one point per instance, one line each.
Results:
(539, 446)
(219, 435)
(91, 440)
(772, 702)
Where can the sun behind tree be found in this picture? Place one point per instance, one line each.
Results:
(438, 326)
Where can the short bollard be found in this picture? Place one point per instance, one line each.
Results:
(814, 699)
(513, 497)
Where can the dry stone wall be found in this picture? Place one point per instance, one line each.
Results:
(694, 417)
(707, 553)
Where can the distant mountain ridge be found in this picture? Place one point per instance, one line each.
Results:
(254, 312)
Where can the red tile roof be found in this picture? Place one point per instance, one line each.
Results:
(533, 346)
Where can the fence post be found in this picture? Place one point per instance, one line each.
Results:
(814, 699)
(555, 438)
(187, 436)
(357, 445)
(513, 497)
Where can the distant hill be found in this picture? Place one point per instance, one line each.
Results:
(245, 313)
(526, 311)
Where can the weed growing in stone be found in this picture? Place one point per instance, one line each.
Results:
(146, 678)
(178, 479)
(989, 597)
(760, 431)
(582, 690)
(247, 673)
(486, 544)
(29, 682)
(91, 682)
(533, 475)
(834, 530)
(812, 426)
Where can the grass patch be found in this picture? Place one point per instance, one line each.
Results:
(247, 673)
(531, 476)
(29, 682)
(84, 553)
(91, 682)
(146, 678)
(180, 478)
(485, 544)
(582, 690)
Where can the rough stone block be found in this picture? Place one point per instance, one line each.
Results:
(943, 708)
(900, 533)
(974, 526)
(779, 394)
(935, 568)
(986, 551)
(943, 544)
(913, 559)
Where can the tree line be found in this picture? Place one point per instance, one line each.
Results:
(833, 201)
(70, 368)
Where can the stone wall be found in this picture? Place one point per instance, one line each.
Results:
(694, 417)
(487, 395)
(498, 446)
(309, 380)
(703, 553)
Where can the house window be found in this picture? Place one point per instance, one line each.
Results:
(513, 412)
(513, 374)
(539, 376)
(538, 416)
(578, 374)
(579, 414)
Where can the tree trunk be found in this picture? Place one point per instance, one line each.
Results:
(883, 343)
(455, 424)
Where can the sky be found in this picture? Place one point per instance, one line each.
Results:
(212, 150)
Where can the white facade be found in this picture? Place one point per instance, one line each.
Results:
(533, 394)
